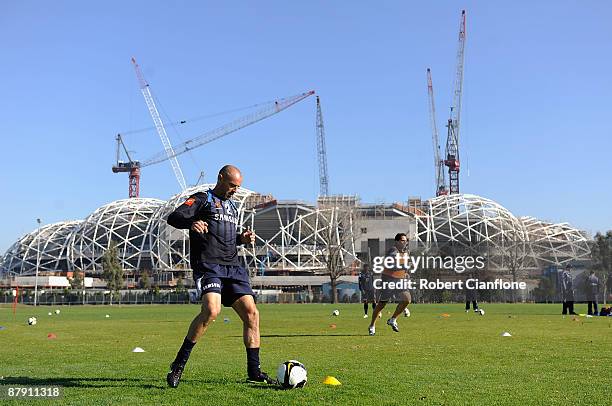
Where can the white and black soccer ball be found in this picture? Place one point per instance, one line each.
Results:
(481, 311)
(291, 374)
(336, 312)
(32, 321)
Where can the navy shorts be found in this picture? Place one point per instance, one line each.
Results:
(368, 295)
(392, 295)
(230, 281)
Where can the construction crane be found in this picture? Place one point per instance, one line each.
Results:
(453, 125)
(438, 163)
(321, 153)
(159, 126)
(245, 121)
(132, 167)
(269, 109)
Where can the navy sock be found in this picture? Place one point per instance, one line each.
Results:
(183, 355)
(253, 362)
(365, 308)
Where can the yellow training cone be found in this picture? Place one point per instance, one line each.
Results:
(330, 380)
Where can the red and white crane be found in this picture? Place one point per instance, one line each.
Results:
(453, 125)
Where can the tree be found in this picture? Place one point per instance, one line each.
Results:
(180, 286)
(546, 291)
(338, 229)
(77, 280)
(515, 261)
(602, 261)
(145, 280)
(112, 270)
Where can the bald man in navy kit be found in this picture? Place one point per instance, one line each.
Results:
(212, 218)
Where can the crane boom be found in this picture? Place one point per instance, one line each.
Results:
(458, 86)
(452, 139)
(438, 163)
(159, 126)
(269, 110)
(322, 153)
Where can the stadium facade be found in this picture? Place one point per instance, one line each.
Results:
(293, 237)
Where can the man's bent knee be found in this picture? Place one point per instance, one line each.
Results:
(210, 310)
(211, 305)
(252, 315)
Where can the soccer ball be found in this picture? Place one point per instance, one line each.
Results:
(32, 321)
(481, 311)
(291, 374)
(57, 311)
(336, 312)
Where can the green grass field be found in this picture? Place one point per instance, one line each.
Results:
(459, 359)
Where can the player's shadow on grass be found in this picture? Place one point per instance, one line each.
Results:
(307, 335)
(80, 382)
(267, 387)
(101, 382)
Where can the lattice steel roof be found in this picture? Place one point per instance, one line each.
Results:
(127, 222)
(48, 247)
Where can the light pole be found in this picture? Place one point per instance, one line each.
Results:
(37, 264)
(83, 286)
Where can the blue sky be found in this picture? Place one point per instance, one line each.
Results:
(535, 131)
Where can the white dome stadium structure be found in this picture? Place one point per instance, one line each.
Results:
(126, 222)
(469, 219)
(479, 224)
(291, 235)
(473, 225)
(47, 248)
(295, 235)
(555, 243)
